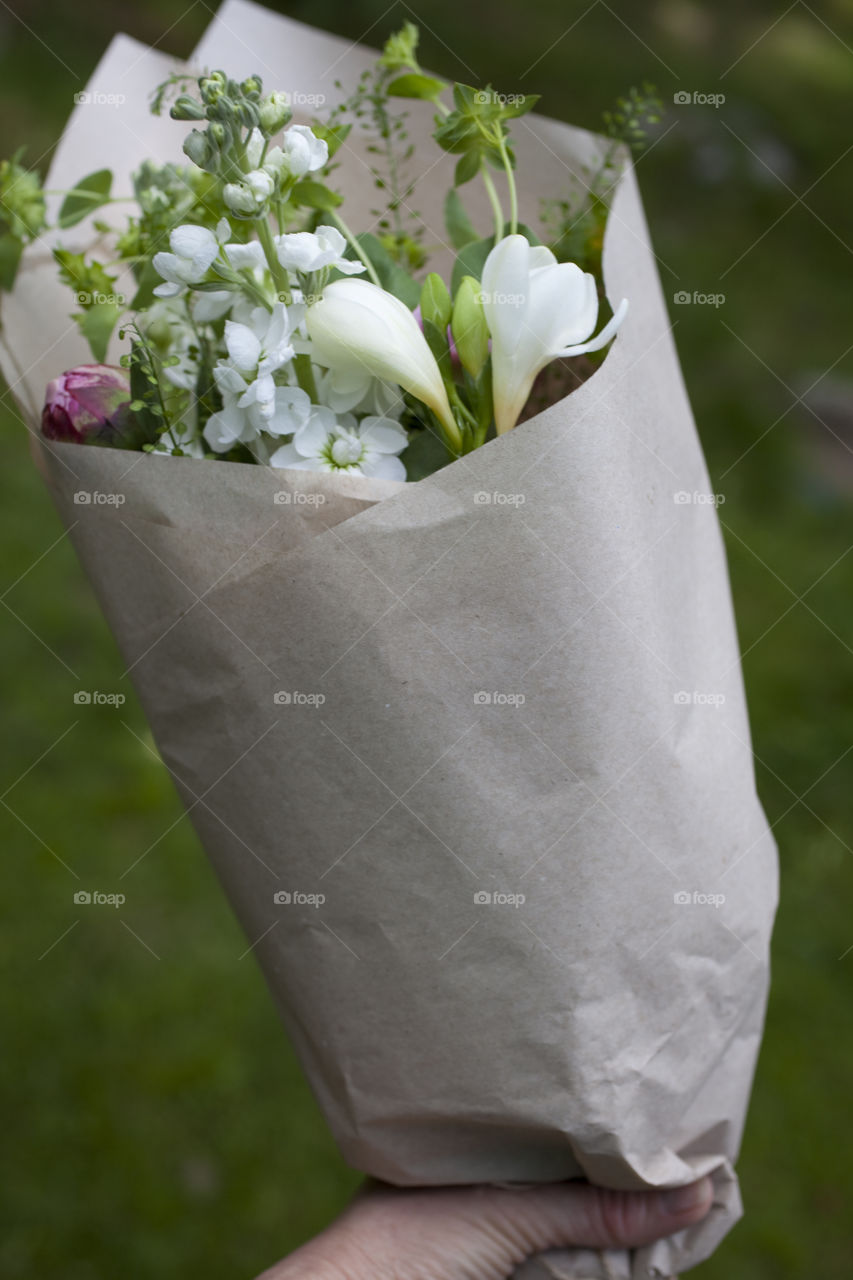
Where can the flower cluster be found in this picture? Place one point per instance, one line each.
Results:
(264, 329)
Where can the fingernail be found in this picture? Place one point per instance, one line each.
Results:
(678, 1200)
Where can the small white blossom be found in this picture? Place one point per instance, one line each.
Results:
(326, 443)
(249, 195)
(312, 250)
(193, 251)
(254, 148)
(232, 424)
(301, 151)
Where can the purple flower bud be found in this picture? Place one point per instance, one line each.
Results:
(89, 405)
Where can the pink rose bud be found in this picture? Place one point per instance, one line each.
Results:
(89, 405)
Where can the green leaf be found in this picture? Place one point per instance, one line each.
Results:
(470, 261)
(416, 86)
(467, 168)
(96, 325)
(437, 343)
(426, 453)
(391, 276)
(11, 249)
(315, 195)
(89, 194)
(334, 136)
(460, 229)
(521, 104)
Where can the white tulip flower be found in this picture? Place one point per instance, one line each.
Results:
(358, 327)
(537, 310)
(326, 443)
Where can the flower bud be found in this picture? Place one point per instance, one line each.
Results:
(89, 405)
(469, 328)
(241, 199)
(252, 86)
(197, 147)
(187, 108)
(274, 113)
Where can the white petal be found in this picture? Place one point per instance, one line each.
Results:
(383, 435)
(242, 256)
(381, 466)
(244, 346)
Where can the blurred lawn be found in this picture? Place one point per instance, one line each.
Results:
(156, 1123)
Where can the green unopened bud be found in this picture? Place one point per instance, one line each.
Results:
(218, 134)
(187, 108)
(252, 87)
(274, 113)
(469, 328)
(246, 113)
(212, 87)
(436, 304)
(197, 147)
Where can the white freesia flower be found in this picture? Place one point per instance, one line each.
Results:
(325, 443)
(193, 251)
(301, 151)
(537, 310)
(235, 424)
(358, 327)
(311, 250)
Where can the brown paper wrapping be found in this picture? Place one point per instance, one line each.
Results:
(403, 696)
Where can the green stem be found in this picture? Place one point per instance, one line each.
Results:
(513, 194)
(279, 275)
(342, 226)
(495, 203)
(305, 375)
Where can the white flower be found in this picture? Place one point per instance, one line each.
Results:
(256, 350)
(290, 411)
(537, 310)
(213, 304)
(301, 151)
(254, 148)
(359, 391)
(311, 250)
(250, 194)
(193, 251)
(358, 327)
(327, 444)
(243, 256)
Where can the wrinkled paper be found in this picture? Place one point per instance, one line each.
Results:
(470, 755)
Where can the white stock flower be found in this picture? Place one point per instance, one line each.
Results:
(301, 151)
(193, 251)
(246, 256)
(537, 310)
(255, 351)
(356, 327)
(249, 195)
(311, 250)
(291, 407)
(325, 443)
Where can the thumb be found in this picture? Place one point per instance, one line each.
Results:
(564, 1214)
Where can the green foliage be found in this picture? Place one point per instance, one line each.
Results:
(94, 289)
(90, 193)
(22, 215)
(476, 129)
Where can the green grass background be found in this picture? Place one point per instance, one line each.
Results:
(156, 1124)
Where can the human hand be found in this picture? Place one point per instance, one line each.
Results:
(483, 1233)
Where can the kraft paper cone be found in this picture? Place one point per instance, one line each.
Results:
(519, 676)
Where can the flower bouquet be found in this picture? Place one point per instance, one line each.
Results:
(414, 570)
